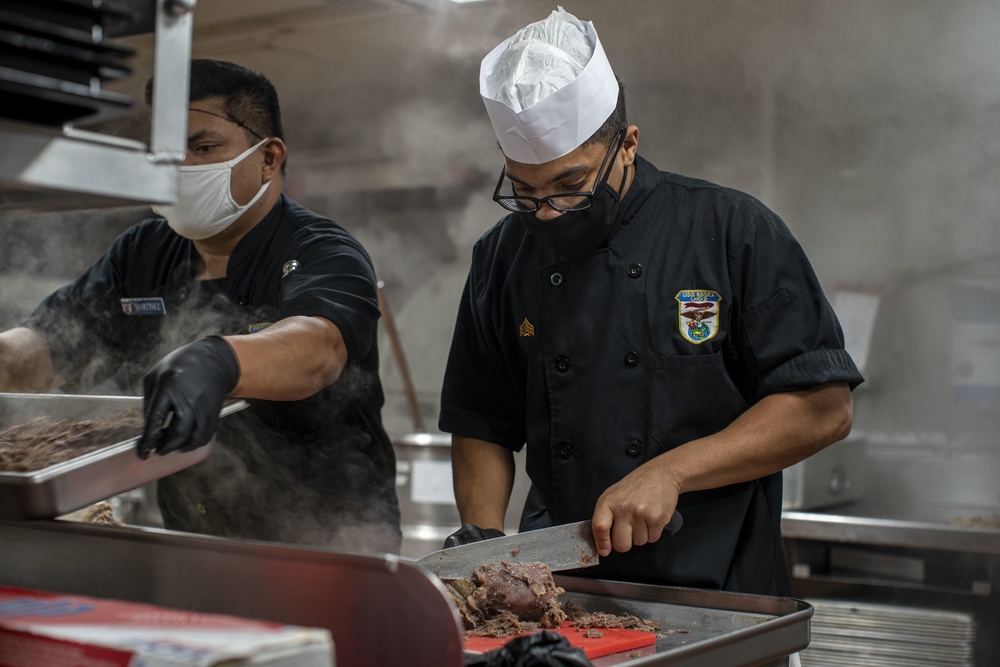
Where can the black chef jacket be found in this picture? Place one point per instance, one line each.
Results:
(316, 471)
(701, 304)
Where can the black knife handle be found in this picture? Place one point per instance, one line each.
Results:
(675, 523)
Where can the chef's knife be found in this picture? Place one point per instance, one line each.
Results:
(565, 547)
(562, 547)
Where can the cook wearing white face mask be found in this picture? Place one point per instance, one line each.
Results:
(237, 291)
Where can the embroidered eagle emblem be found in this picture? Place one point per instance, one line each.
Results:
(698, 314)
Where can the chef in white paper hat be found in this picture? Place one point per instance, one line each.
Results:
(657, 342)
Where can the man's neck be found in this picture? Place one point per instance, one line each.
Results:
(214, 260)
(215, 251)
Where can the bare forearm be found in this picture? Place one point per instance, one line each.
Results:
(25, 362)
(779, 431)
(483, 474)
(290, 360)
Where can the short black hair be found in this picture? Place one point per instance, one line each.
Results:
(250, 99)
(618, 120)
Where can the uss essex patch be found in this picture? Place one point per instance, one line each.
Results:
(698, 314)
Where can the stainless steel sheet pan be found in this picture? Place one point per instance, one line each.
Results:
(70, 485)
(701, 628)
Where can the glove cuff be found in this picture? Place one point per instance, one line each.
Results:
(217, 349)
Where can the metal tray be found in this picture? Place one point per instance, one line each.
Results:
(701, 628)
(70, 485)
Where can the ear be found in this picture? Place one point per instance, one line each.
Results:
(274, 156)
(630, 145)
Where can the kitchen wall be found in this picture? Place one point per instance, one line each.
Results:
(870, 126)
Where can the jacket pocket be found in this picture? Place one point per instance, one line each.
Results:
(693, 396)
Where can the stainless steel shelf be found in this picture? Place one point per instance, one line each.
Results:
(42, 168)
(102, 169)
(889, 532)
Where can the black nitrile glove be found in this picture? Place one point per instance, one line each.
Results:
(540, 649)
(468, 534)
(188, 386)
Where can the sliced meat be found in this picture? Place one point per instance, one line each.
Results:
(505, 599)
(506, 596)
(43, 441)
(584, 619)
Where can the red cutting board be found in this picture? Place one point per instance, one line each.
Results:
(615, 640)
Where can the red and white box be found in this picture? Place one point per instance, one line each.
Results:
(40, 628)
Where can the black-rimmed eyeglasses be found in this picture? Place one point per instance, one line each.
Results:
(571, 201)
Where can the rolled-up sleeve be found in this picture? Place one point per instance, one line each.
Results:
(334, 280)
(480, 398)
(791, 337)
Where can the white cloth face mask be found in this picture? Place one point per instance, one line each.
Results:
(205, 204)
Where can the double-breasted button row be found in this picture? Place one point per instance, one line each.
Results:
(633, 449)
(631, 360)
(634, 270)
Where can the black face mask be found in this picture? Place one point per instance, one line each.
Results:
(576, 234)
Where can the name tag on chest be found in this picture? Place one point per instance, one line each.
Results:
(152, 305)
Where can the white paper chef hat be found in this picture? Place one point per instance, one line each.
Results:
(548, 88)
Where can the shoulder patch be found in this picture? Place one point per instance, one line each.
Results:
(255, 327)
(698, 314)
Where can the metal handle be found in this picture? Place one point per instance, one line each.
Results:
(397, 352)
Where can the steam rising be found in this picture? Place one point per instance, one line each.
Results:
(306, 472)
(294, 487)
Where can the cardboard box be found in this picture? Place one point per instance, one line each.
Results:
(55, 630)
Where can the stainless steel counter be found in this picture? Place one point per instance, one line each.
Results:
(927, 527)
(380, 610)
(879, 564)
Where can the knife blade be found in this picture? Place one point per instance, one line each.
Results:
(564, 547)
